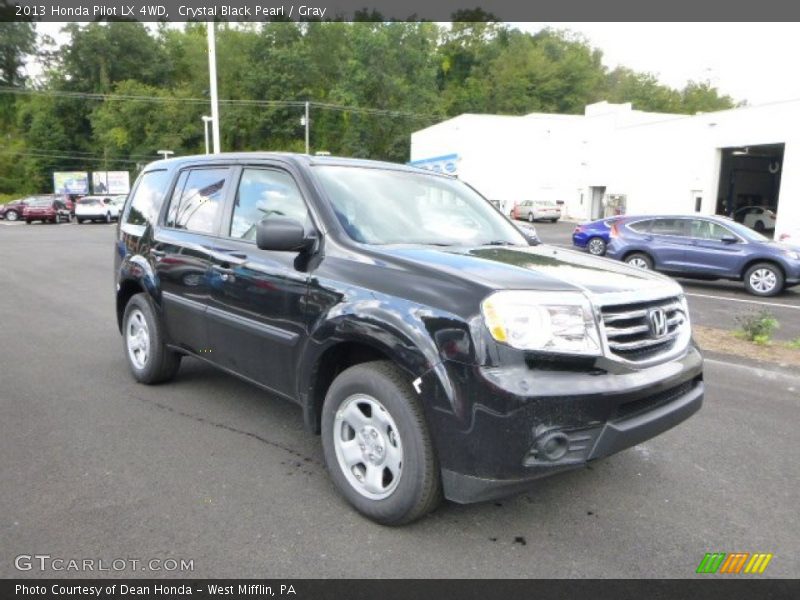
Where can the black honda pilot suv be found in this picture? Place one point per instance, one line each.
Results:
(438, 350)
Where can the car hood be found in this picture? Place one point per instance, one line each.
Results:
(541, 268)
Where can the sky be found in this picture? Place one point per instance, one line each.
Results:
(751, 62)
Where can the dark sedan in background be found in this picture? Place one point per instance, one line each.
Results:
(706, 248)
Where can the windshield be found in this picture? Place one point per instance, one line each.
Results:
(89, 202)
(382, 206)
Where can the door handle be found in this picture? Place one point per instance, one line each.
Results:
(157, 254)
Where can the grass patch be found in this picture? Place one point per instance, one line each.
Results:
(724, 341)
(757, 327)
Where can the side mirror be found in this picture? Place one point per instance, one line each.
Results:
(283, 235)
(729, 239)
(529, 233)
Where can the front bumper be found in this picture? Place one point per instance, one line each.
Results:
(507, 427)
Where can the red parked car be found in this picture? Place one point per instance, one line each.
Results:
(12, 211)
(47, 209)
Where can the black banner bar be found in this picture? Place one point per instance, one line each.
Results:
(439, 10)
(715, 588)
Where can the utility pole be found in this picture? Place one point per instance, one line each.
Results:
(307, 123)
(206, 121)
(212, 76)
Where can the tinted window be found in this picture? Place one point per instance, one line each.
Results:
(262, 194)
(147, 199)
(196, 205)
(668, 227)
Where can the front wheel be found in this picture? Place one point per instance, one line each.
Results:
(764, 279)
(12, 215)
(143, 338)
(759, 226)
(377, 446)
(530, 217)
(596, 246)
(640, 261)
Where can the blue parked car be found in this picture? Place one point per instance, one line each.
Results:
(706, 248)
(593, 236)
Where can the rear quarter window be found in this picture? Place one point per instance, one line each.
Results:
(146, 202)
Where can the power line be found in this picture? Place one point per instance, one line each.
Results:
(230, 102)
(69, 157)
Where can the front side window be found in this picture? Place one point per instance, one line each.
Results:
(385, 206)
(196, 205)
(147, 199)
(263, 194)
(639, 226)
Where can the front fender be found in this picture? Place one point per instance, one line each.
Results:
(416, 338)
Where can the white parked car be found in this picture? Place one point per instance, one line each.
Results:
(98, 208)
(755, 217)
(537, 210)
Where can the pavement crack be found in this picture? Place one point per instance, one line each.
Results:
(306, 459)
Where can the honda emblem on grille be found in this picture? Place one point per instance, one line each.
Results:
(657, 319)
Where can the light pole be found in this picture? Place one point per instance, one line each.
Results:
(166, 153)
(307, 122)
(212, 77)
(206, 121)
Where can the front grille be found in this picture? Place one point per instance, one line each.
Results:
(630, 333)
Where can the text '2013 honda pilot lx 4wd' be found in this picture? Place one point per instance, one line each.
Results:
(434, 348)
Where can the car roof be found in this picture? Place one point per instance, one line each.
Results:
(290, 157)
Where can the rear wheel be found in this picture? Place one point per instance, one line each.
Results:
(530, 217)
(108, 217)
(12, 215)
(80, 221)
(764, 279)
(640, 261)
(377, 446)
(759, 226)
(596, 246)
(148, 357)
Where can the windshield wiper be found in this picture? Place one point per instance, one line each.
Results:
(499, 243)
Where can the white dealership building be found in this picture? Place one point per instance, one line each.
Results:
(615, 159)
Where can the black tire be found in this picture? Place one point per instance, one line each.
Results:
(108, 217)
(596, 246)
(80, 221)
(12, 215)
(530, 217)
(757, 279)
(28, 221)
(418, 490)
(162, 364)
(640, 260)
(759, 226)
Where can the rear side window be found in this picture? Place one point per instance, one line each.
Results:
(638, 227)
(262, 194)
(668, 227)
(197, 202)
(147, 200)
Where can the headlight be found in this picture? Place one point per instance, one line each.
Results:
(544, 321)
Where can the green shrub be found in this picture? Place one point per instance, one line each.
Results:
(795, 344)
(757, 327)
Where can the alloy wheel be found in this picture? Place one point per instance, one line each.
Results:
(763, 280)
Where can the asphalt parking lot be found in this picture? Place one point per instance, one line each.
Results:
(213, 470)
